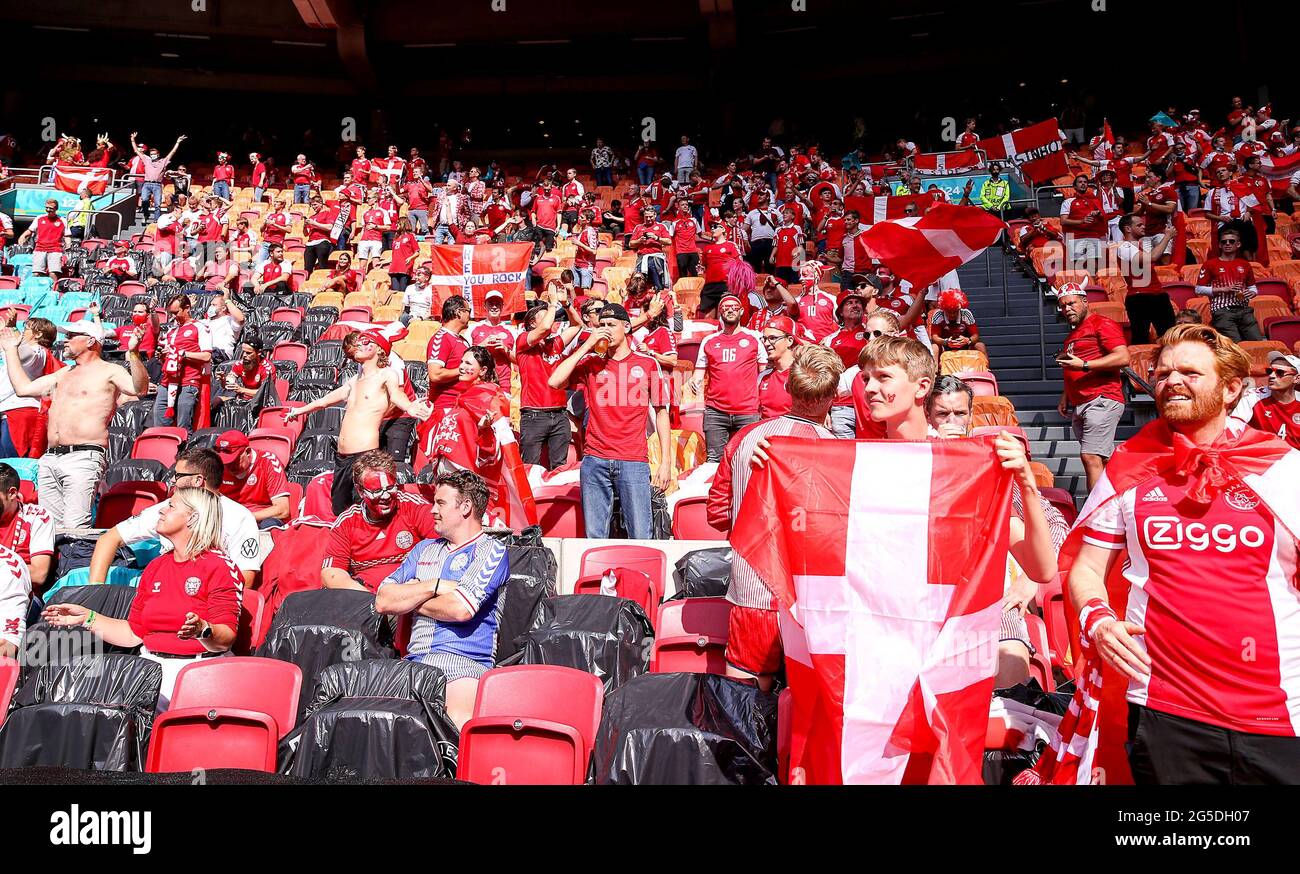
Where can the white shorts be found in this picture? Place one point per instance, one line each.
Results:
(369, 248)
(47, 262)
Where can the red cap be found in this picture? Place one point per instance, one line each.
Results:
(230, 445)
(378, 339)
(785, 325)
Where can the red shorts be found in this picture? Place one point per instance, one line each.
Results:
(27, 431)
(754, 640)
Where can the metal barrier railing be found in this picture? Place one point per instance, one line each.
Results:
(75, 214)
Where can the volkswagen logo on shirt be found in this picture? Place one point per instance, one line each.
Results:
(248, 549)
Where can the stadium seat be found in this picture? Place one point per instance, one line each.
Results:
(1051, 601)
(1180, 293)
(690, 521)
(691, 635)
(250, 631)
(1270, 307)
(646, 559)
(1285, 331)
(272, 417)
(1061, 500)
(560, 516)
(1258, 350)
(276, 440)
(226, 713)
(996, 410)
(982, 383)
(289, 315)
(162, 444)
(1272, 286)
(355, 314)
(1040, 662)
(532, 724)
(295, 352)
(1142, 359)
(963, 361)
(126, 499)
(1042, 476)
(634, 585)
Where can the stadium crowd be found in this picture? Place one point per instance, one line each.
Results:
(276, 349)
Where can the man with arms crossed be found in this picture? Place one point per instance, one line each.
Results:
(84, 399)
(368, 394)
(451, 582)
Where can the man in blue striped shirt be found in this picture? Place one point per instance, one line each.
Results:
(451, 582)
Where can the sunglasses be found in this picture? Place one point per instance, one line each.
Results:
(1280, 372)
(377, 494)
(878, 333)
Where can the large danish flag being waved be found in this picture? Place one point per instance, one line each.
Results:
(473, 271)
(887, 560)
(70, 178)
(885, 207)
(923, 248)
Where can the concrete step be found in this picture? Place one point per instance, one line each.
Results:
(1010, 387)
(1040, 449)
(1043, 416)
(1031, 400)
(1063, 433)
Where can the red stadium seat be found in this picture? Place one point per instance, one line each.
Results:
(77, 315)
(226, 713)
(691, 522)
(1052, 602)
(1040, 664)
(1285, 331)
(691, 636)
(126, 499)
(1180, 293)
(9, 282)
(981, 382)
(1063, 501)
(633, 585)
(1272, 286)
(561, 516)
(647, 559)
(295, 500)
(288, 315)
(273, 417)
(27, 491)
(161, 443)
(249, 633)
(276, 440)
(130, 287)
(355, 314)
(693, 420)
(9, 671)
(532, 725)
(295, 352)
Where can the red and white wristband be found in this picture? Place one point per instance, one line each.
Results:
(1093, 614)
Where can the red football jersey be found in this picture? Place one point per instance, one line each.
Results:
(774, 393)
(264, 482)
(208, 585)
(536, 364)
(732, 363)
(369, 552)
(620, 394)
(1277, 418)
(446, 349)
(500, 357)
(29, 532)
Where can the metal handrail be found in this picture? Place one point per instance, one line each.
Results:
(95, 212)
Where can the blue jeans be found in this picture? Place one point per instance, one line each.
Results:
(655, 270)
(301, 193)
(844, 421)
(442, 235)
(221, 188)
(186, 402)
(605, 176)
(582, 277)
(151, 192)
(257, 194)
(419, 220)
(600, 477)
(1189, 195)
(645, 173)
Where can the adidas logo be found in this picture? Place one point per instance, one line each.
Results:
(1155, 495)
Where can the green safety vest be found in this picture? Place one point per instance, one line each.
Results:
(995, 194)
(900, 188)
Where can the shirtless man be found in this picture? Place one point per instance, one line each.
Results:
(369, 395)
(84, 398)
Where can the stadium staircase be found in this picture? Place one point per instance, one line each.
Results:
(1011, 335)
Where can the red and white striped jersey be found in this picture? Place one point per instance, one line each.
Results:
(1215, 590)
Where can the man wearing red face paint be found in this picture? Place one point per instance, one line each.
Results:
(370, 539)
